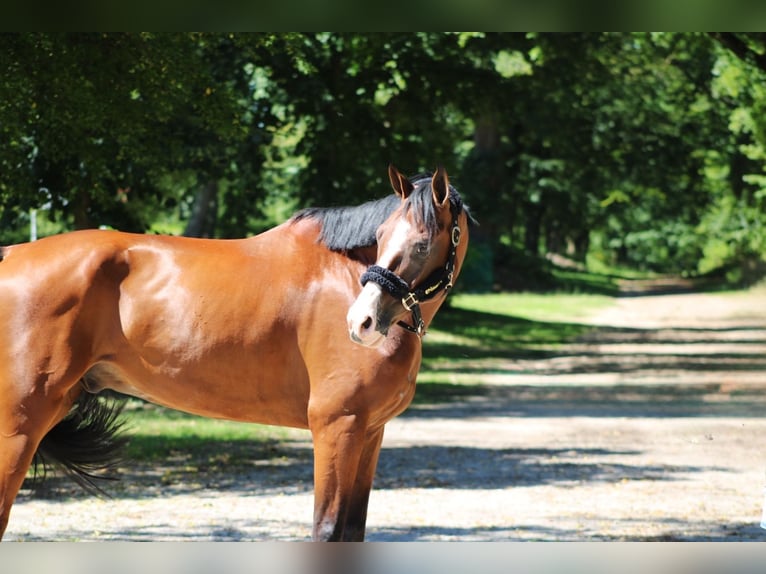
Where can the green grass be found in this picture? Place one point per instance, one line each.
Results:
(573, 281)
(478, 334)
(553, 307)
(185, 445)
(508, 324)
(157, 433)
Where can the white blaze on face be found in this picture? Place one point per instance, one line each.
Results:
(396, 244)
(364, 314)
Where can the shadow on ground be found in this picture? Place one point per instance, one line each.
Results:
(678, 532)
(399, 467)
(634, 400)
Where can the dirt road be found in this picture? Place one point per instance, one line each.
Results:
(651, 427)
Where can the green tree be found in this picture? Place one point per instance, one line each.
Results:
(638, 149)
(94, 121)
(735, 226)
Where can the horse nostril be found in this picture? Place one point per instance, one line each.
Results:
(367, 323)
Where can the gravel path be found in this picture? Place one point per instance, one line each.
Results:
(648, 428)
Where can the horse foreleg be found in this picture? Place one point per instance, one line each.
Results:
(338, 445)
(356, 519)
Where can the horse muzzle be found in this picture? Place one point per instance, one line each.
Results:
(366, 325)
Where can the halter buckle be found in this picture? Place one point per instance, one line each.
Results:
(455, 236)
(409, 301)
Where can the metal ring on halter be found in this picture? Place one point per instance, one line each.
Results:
(410, 301)
(455, 236)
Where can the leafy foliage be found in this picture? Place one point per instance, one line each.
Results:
(644, 150)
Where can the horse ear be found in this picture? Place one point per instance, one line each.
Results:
(440, 187)
(401, 184)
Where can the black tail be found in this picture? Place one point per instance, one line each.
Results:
(85, 444)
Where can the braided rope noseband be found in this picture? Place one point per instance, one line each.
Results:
(438, 281)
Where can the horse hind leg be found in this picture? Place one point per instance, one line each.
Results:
(83, 437)
(16, 453)
(23, 424)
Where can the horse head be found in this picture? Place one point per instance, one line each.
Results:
(417, 258)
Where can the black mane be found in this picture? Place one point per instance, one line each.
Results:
(347, 228)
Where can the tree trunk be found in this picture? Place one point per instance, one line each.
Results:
(532, 228)
(80, 207)
(581, 245)
(204, 212)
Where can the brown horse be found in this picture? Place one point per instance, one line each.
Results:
(249, 330)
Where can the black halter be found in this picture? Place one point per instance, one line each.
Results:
(438, 281)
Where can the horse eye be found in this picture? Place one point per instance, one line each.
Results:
(422, 248)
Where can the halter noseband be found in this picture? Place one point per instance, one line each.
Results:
(438, 281)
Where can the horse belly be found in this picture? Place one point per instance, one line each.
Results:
(210, 354)
(227, 389)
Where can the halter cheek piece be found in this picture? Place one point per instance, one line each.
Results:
(438, 281)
